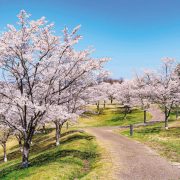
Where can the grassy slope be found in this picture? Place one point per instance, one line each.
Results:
(166, 142)
(77, 157)
(112, 116)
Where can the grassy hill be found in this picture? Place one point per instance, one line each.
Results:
(77, 157)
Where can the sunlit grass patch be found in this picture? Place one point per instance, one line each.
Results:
(112, 115)
(76, 157)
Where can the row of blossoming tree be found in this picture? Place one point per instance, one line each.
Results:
(161, 87)
(44, 79)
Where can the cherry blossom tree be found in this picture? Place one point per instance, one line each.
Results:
(77, 100)
(39, 70)
(140, 94)
(110, 89)
(97, 94)
(124, 96)
(164, 86)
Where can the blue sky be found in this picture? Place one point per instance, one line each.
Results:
(136, 34)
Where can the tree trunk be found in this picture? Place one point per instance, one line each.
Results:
(57, 133)
(60, 128)
(5, 154)
(97, 106)
(144, 116)
(20, 145)
(19, 139)
(104, 104)
(111, 100)
(26, 148)
(67, 126)
(44, 128)
(166, 117)
(125, 113)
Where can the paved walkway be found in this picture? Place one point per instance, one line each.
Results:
(133, 160)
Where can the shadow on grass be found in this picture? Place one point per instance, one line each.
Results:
(154, 130)
(75, 137)
(38, 138)
(52, 156)
(95, 113)
(129, 118)
(121, 110)
(50, 153)
(41, 142)
(116, 119)
(71, 132)
(11, 156)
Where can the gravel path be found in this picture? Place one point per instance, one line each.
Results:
(133, 160)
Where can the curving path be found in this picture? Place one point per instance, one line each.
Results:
(133, 160)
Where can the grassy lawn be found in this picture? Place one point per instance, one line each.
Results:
(112, 115)
(165, 142)
(77, 157)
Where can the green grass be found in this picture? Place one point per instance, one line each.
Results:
(112, 115)
(165, 142)
(77, 157)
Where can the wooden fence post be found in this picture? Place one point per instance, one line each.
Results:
(131, 129)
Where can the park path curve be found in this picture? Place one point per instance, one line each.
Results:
(133, 160)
